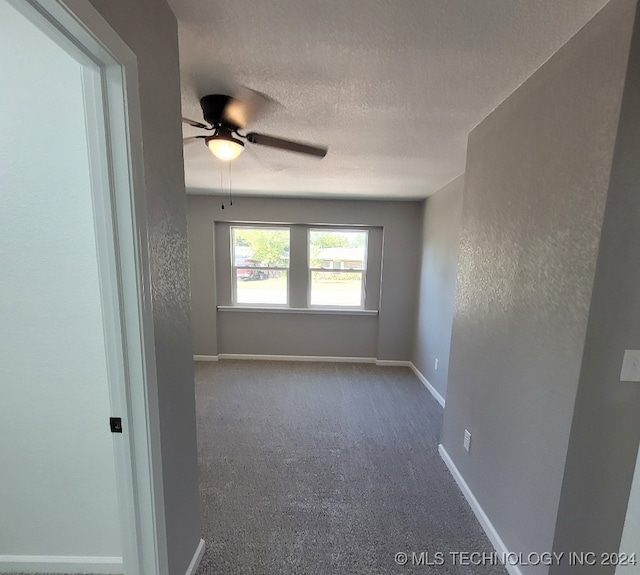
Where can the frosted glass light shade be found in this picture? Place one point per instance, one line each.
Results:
(225, 149)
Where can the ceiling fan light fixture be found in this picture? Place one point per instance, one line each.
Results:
(225, 147)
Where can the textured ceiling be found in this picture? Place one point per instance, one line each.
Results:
(393, 87)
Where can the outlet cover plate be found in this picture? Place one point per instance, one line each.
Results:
(467, 440)
(630, 365)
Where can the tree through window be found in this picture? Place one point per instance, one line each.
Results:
(260, 265)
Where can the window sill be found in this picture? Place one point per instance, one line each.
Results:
(299, 310)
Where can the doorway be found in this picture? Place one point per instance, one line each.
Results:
(74, 351)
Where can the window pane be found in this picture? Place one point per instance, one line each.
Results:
(336, 288)
(261, 286)
(261, 247)
(336, 249)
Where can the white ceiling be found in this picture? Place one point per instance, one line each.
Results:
(393, 87)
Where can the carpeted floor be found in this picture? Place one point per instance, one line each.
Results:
(318, 468)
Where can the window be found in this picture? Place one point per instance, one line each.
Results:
(260, 258)
(337, 265)
(298, 268)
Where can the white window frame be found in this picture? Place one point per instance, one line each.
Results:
(362, 270)
(235, 268)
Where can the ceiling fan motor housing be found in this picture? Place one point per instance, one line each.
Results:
(213, 108)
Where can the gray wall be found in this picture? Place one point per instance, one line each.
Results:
(441, 223)
(297, 334)
(389, 336)
(536, 182)
(150, 29)
(606, 425)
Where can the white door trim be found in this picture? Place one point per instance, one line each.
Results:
(110, 81)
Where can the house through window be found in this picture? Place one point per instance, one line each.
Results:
(337, 263)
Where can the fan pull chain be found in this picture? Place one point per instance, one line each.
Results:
(230, 198)
(221, 189)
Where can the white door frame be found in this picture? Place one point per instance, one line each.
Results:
(110, 83)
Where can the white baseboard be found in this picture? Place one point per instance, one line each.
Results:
(60, 564)
(312, 358)
(481, 516)
(322, 358)
(195, 560)
(428, 385)
(205, 358)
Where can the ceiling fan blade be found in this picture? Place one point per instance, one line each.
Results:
(258, 161)
(289, 145)
(246, 107)
(192, 139)
(195, 124)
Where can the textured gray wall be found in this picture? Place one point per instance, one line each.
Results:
(390, 337)
(535, 189)
(298, 334)
(203, 280)
(606, 425)
(150, 30)
(441, 223)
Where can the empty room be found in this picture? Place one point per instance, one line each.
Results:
(320, 287)
(368, 357)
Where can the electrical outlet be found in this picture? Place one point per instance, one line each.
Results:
(435, 363)
(467, 440)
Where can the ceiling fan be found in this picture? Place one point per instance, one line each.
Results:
(226, 115)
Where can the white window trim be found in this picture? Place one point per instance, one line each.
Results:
(235, 268)
(301, 310)
(362, 270)
(298, 272)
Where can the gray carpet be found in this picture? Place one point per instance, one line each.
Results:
(318, 468)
